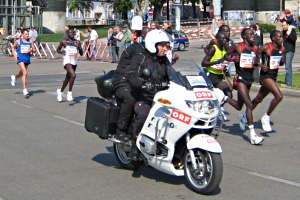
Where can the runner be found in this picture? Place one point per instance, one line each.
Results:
(22, 50)
(273, 56)
(245, 61)
(70, 48)
(214, 61)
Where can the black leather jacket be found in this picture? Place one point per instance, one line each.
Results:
(143, 72)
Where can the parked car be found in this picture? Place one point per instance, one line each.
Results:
(181, 41)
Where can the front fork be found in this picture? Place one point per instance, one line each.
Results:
(193, 158)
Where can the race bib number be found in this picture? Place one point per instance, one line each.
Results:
(274, 62)
(218, 67)
(246, 60)
(25, 48)
(71, 51)
(180, 116)
(203, 95)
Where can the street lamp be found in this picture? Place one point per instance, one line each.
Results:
(14, 17)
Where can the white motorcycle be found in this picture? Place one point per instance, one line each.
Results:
(179, 134)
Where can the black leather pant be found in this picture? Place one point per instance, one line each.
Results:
(127, 102)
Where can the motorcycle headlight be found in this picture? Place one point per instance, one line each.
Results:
(204, 106)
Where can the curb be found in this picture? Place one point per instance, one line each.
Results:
(285, 91)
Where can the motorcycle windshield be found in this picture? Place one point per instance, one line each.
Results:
(189, 75)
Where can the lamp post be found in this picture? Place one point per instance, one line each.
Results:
(14, 17)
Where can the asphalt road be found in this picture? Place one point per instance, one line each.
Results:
(46, 154)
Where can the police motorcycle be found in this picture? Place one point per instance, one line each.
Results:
(179, 134)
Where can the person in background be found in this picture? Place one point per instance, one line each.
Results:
(92, 40)
(33, 34)
(153, 26)
(115, 40)
(137, 27)
(127, 36)
(290, 18)
(258, 41)
(76, 34)
(109, 33)
(66, 28)
(289, 43)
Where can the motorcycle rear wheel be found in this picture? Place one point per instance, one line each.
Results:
(122, 153)
(208, 175)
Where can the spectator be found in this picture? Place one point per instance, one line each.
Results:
(33, 34)
(289, 42)
(258, 35)
(115, 39)
(289, 18)
(66, 29)
(77, 34)
(258, 41)
(153, 26)
(127, 38)
(137, 27)
(92, 41)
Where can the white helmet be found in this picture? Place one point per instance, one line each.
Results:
(153, 37)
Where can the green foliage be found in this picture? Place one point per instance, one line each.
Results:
(122, 6)
(267, 27)
(57, 37)
(80, 5)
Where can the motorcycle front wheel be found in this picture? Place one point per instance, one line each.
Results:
(122, 153)
(206, 178)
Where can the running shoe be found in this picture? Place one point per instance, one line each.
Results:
(25, 92)
(13, 80)
(59, 95)
(265, 122)
(243, 121)
(69, 96)
(255, 139)
(223, 113)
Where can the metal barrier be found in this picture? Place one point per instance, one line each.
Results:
(101, 52)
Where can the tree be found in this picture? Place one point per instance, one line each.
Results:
(80, 5)
(122, 6)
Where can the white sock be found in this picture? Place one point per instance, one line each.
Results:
(251, 128)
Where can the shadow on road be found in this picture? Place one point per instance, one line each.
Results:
(78, 100)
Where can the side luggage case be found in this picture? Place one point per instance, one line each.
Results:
(101, 117)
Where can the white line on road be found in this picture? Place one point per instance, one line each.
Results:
(68, 120)
(20, 104)
(272, 178)
(63, 73)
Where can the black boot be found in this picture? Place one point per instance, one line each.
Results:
(134, 154)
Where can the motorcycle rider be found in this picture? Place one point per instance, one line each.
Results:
(145, 76)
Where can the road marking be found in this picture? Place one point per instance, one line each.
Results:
(68, 120)
(63, 73)
(272, 178)
(20, 104)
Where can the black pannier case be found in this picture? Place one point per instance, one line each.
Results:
(101, 117)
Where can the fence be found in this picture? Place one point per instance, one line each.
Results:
(101, 52)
